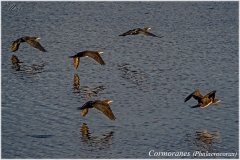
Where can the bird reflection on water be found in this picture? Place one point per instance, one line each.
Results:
(204, 141)
(33, 69)
(40, 136)
(85, 91)
(76, 82)
(133, 74)
(90, 92)
(15, 62)
(99, 142)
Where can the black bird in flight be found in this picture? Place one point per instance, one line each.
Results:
(103, 106)
(93, 54)
(30, 40)
(136, 31)
(203, 101)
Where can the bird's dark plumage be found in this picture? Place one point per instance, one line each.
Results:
(103, 106)
(203, 101)
(30, 40)
(93, 54)
(136, 31)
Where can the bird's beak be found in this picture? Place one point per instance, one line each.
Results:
(38, 38)
(100, 52)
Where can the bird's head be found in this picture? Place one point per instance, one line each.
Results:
(36, 38)
(108, 101)
(216, 100)
(147, 28)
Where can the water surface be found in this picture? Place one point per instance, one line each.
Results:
(147, 78)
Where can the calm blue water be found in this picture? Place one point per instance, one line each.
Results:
(147, 78)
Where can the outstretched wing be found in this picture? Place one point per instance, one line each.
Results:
(105, 109)
(84, 111)
(35, 44)
(15, 45)
(96, 57)
(130, 32)
(196, 95)
(211, 95)
(148, 33)
(76, 62)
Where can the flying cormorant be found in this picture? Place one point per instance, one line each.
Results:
(136, 31)
(103, 106)
(93, 54)
(30, 40)
(203, 101)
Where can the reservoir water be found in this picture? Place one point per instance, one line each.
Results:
(147, 78)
